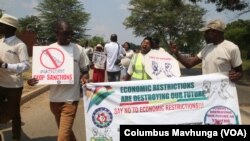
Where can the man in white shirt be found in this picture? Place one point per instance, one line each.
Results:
(64, 98)
(89, 50)
(219, 55)
(113, 50)
(14, 60)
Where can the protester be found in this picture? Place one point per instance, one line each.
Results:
(64, 98)
(98, 64)
(88, 50)
(14, 60)
(219, 55)
(126, 59)
(156, 45)
(136, 69)
(113, 51)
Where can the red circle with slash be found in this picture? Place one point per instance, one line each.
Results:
(52, 58)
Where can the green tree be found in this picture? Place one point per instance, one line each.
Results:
(232, 5)
(97, 40)
(1, 12)
(71, 10)
(238, 32)
(166, 19)
(92, 41)
(30, 23)
(134, 46)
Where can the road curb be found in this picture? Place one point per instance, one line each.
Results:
(28, 96)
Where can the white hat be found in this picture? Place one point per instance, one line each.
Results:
(99, 45)
(9, 20)
(215, 25)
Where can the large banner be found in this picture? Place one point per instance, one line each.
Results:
(203, 99)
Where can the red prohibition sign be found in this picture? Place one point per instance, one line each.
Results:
(52, 58)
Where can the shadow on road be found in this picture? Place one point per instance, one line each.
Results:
(7, 134)
(7, 137)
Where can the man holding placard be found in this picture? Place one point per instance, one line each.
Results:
(64, 98)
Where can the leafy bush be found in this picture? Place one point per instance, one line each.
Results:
(246, 65)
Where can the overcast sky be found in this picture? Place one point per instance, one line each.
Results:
(107, 16)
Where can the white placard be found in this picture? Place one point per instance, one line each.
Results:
(161, 65)
(53, 64)
(99, 59)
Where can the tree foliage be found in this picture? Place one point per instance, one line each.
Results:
(29, 23)
(232, 5)
(238, 32)
(165, 19)
(92, 41)
(71, 10)
(97, 40)
(1, 12)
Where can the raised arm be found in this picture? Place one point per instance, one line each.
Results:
(188, 62)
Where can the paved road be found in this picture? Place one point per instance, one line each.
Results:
(39, 124)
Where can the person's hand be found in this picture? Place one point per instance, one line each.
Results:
(234, 76)
(127, 77)
(124, 78)
(32, 81)
(173, 47)
(85, 79)
(91, 66)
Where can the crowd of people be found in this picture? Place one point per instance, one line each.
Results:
(219, 55)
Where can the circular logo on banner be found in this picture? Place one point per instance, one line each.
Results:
(52, 58)
(102, 117)
(220, 115)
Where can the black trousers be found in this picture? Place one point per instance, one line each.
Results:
(10, 109)
(114, 76)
